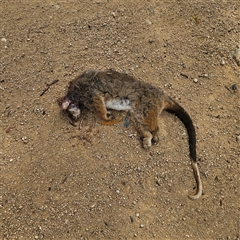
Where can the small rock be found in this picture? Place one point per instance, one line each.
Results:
(205, 75)
(151, 10)
(236, 56)
(223, 62)
(195, 80)
(234, 87)
(3, 39)
(149, 22)
(141, 226)
(24, 139)
(238, 138)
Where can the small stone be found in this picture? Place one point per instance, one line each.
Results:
(141, 226)
(195, 80)
(149, 22)
(236, 56)
(3, 39)
(205, 75)
(234, 87)
(223, 62)
(137, 214)
(151, 10)
(238, 138)
(24, 139)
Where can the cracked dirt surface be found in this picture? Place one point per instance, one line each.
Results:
(96, 182)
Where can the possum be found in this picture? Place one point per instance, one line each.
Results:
(101, 91)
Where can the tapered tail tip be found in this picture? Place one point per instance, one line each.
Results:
(196, 196)
(198, 182)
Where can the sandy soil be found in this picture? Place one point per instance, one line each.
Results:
(96, 182)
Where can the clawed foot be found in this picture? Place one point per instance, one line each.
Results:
(155, 138)
(147, 142)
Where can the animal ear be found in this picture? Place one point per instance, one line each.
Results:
(65, 103)
(91, 73)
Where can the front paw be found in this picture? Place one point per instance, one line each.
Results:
(147, 142)
(155, 138)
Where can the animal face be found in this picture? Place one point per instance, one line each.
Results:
(71, 108)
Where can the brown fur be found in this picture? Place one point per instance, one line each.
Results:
(102, 90)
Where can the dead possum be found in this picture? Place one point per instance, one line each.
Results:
(100, 91)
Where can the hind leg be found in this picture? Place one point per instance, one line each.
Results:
(155, 135)
(147, 127)
(145, 135)
(150, 122)
(100, 107)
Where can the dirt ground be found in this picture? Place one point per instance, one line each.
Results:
(96, 182)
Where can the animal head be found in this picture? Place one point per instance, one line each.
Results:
(70, 107)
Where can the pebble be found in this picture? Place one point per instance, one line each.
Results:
(151, 10)
(24, 139)
(238, 138)
(236, 56)
(223, 62)
(3, 39)
(141, 226)
(148, 21)
(195, 80)
(234, 87)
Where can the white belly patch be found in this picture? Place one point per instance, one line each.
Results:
(119, 104)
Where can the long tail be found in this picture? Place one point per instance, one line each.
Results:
(175, 108)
